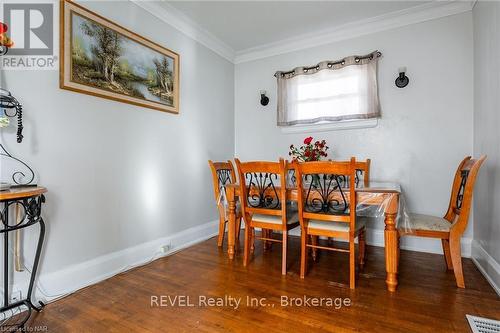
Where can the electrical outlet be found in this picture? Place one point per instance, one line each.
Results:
(15, 296)
(166, 248)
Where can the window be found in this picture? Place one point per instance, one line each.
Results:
(329, 92)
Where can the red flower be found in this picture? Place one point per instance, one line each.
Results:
(310, 151)
(3, 28)
(308, 140)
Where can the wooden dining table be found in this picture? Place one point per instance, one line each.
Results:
(384, 195)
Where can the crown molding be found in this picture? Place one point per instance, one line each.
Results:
(170, 15)
(417, 14)
(425, 12)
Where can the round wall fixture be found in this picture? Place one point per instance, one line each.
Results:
(402, 80)
(264, 100)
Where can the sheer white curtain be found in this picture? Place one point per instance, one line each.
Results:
(330, 91)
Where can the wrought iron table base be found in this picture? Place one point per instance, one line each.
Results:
(32, 215)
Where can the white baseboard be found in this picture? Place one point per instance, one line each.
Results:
(75, 277)
(487, 265)
(375, 237)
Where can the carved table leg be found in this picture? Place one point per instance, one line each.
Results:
(232, 221)
(391, 243)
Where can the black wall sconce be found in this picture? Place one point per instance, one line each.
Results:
(264, 100)
(402, 80)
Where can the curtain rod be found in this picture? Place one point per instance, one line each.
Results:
(330, 64)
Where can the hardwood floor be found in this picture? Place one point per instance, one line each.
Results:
(427, 299)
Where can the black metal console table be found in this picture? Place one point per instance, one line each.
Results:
(30, 199)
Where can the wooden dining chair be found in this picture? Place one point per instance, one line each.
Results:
(223, 174)
(450, 227)
(362, 171)
(264, 205)
(327, 207)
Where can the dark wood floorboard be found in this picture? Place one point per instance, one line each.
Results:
(427, 299)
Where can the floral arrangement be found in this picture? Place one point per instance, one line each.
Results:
(5, 42)
(309, 151)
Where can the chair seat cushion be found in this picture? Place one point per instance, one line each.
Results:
(428, 222)
(292, 216)
(335, 226)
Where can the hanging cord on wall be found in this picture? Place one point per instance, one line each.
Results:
(7, 104)
(7, 101)
(20, 124)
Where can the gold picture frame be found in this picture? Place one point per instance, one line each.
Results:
(101, 58)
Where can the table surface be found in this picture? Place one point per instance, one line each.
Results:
(21, 192)
(375, 187)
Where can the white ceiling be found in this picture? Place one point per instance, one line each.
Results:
(248, 24)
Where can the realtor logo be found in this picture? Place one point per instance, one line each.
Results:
(31, 28)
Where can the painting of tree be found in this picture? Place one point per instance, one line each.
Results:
(163, 78)
(107, 60)
(106, 51)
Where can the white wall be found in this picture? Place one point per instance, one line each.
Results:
(486, 246)
(119, 175)
(123, 180)
(425, 130)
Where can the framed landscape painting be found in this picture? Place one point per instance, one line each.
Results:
(101, 58)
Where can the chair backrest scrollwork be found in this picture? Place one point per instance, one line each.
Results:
(263, 187)
(326, 191)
